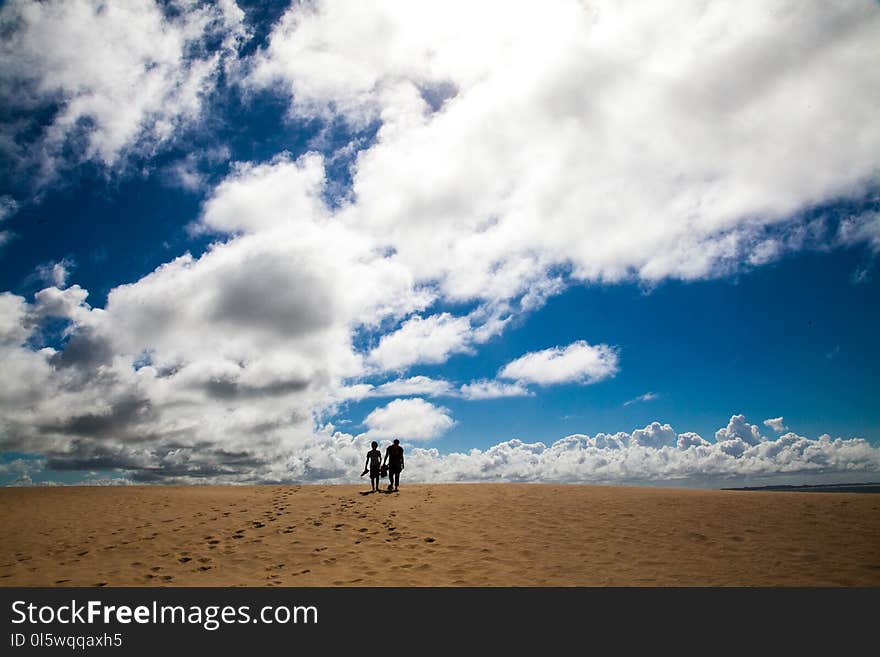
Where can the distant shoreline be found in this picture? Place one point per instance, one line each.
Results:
(872, 487)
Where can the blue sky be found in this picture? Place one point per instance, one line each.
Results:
(612, 242)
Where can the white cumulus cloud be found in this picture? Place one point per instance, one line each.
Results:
(408, 419)
(579, 362)
(423, 340)
(776, 423)
(739, 430)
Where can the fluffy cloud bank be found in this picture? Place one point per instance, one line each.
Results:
(654, 454)
(616, 140)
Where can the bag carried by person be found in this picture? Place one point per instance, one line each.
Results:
(383, 472)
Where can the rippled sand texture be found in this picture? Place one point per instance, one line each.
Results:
(436, 535)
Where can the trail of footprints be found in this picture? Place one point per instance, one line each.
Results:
(279, 508)
(360, 520)
(352, 516)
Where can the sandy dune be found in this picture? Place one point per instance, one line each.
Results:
(436, 535)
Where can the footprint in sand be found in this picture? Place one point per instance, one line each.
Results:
(185, 559)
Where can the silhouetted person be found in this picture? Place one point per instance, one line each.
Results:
(374, 464)
(394, 456)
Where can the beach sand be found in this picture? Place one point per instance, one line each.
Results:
(436, 535)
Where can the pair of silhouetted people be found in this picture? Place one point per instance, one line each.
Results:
(377, 467)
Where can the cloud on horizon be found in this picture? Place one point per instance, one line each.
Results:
(654, 454)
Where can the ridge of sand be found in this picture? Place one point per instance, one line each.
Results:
(436, 535)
